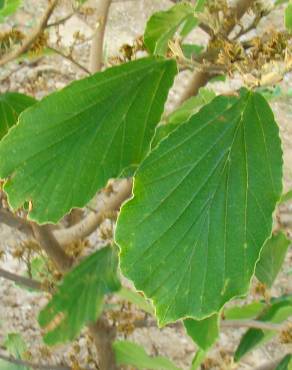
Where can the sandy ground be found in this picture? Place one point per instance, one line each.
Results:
(18, 308)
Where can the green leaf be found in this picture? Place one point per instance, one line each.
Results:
(204, 332)
(80, 296)
(8, 7)
(288, 17)
(5, 365)
(198, 359)
(129, 353)
(248, 311)
(66, 147)
(202, 208)
(271, 258)
(136, 299)
(163, 25)
(278, 312)
(286, 363)
(182, 114)
(192, 50)
(286, 197)
(11, 105)
(15, 345)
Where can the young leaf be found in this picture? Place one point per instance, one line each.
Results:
(15, 345)
(8, 7)
(66, 147)
(204, 332)
(192, 50)
(202, 208)
(248, 311)
(136, 299)
(285, 364)
(163, 25)
(288, 17)
(278, 312)
(129, 353)
(11, 105)
(286, 197)
(80, 296)
(271, 258)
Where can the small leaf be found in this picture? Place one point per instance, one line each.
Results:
(285, 364)
(191, 50)
(204, 332)
(136, 299)
(202, 208)
(15, 345)
(163, 25)
(286, 197)
(8, 8)
(67, 146)
(288, 17)
(248, 311)
(79, 298)
(271, 258)
(129, 353)
(279, 310)
(11, 105)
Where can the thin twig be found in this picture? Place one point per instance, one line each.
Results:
(70, 58)
(15, 222)
(83, 228)
(199, 78)
(253, 324)
(32, 365)
(21, 280)
(49, 243)
(33, 37)
(96, 52)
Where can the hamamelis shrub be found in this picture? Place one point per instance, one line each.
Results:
(191, 197)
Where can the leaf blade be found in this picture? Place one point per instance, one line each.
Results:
(80, 296)
(71, 143)
(172, 191)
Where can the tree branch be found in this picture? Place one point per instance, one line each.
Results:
(94, 219)
(15, 222)
(70, 58)
(21, 280)
(253, 324)
(49, 243)
(103, 335)
(199, 78)
(19, 362)
(96, 53)
(33, 37)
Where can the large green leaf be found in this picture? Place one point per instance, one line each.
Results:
(70, 144)
(8, 7)
(202, 208)
(129, 353)
(11, 105)
(272, 258)
(80, 296)
(277, 312)
(163, 25)
(204, 332)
